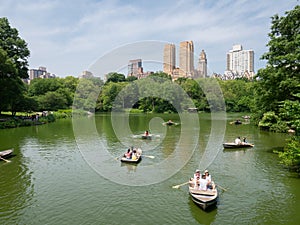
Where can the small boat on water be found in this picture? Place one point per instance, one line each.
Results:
(170, 123)
(126, 160)
(148, 137)
(6, 153)
(234, 145)
(204, 198)
(135, 156)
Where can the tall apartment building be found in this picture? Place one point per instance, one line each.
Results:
(41, 72)
(202, 65)
(135, 67)
(169, 58)
(186, 58)
(240, 62)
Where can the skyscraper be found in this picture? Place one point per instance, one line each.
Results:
(240, 62)
(202, 65)
(169, 58)
(135, 67)
(186, 59)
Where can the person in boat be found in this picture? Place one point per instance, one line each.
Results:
(194, 181)
(197, 174)
(146, 133)
(238, 122)
(210, 184)
(128, 154)
(170, 122)
(245, 140)
(134, 155)
(238, 141)
(203, 184)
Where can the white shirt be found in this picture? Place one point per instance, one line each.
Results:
(203, 184)
(238, 141)
(208, 178)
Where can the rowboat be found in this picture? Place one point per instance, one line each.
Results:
(126, 160)
(169, 123)
(149, 136)
(234, 145)
(6, 154)
(130, 160)
(204, 199)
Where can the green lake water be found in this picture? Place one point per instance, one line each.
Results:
(68, 172)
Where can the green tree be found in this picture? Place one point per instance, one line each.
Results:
(13, 66)
(279, 80)
(278, 83)
(115, 77)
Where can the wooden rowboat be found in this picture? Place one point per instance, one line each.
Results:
(7, 153)
(204, 199)
(234, 145)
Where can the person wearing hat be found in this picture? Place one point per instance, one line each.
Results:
(197, 174)
(194, 181)
(208, 179)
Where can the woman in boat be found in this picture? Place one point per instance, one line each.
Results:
(209, 181)
(146, 133)
(128, 154)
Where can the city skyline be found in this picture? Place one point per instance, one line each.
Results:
(67, 37)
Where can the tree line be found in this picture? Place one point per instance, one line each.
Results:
(272, 96)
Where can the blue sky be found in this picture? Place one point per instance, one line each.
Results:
(69, 36)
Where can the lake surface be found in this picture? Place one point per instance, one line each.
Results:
(69, 172)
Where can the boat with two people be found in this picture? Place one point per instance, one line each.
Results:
(203, 190)
(133, 155)
(238, 143)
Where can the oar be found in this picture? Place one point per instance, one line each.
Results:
(221, 187)
(149, 156)
(179, 185)
(4, 159)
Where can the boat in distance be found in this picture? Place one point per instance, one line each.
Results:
(234, 145)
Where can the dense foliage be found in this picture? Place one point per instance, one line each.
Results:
(13, 67)
(278, 89)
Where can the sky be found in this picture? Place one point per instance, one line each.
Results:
(70, 36)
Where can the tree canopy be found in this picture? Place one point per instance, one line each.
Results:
(13, 66)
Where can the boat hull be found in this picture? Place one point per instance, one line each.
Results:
(234, 145)
(6, 153)
(204, 199)
(147, 137)
(125, 160)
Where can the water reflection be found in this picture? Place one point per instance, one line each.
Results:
(201, 216)
(131, 168)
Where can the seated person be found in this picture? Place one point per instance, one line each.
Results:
(134, 155)
(209, 181)
(127, 155)
(196, 182)
(238, 141)
(203, 183)
(197, 174)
